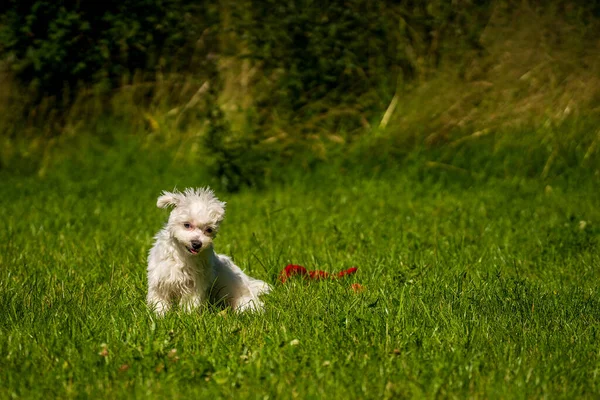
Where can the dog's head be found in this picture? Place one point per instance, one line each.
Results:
(195, 218)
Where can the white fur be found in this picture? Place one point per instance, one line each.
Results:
(179, 273)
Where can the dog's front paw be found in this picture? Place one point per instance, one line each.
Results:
(191, 302)
(160, 307)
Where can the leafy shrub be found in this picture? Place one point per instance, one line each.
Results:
(58, 45)
(342, 51)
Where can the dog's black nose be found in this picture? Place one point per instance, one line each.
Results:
(196, 244)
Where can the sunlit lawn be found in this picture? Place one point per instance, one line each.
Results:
(483, 289)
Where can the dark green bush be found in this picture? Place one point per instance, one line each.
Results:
(340, 51)
(311, 50)
(54, 45)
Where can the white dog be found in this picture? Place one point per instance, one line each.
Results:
(182, 266)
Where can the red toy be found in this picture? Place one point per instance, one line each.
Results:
(293, 270)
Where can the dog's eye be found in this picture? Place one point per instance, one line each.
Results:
(187, 225)
(209, 230)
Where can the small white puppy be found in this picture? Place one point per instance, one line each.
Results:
(182, 266)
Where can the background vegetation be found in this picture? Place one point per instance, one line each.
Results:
(450, 150)
(248, 88)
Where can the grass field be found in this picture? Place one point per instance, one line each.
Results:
(481, 288)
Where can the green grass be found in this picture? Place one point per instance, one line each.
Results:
(484, 288)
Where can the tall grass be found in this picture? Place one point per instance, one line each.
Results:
(530, 76)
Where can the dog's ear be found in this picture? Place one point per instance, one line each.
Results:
(168, 199)
(219, 211)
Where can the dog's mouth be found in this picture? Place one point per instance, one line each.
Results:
(191, 250)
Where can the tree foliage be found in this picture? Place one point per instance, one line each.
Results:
(310, 49)
(54, 45)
